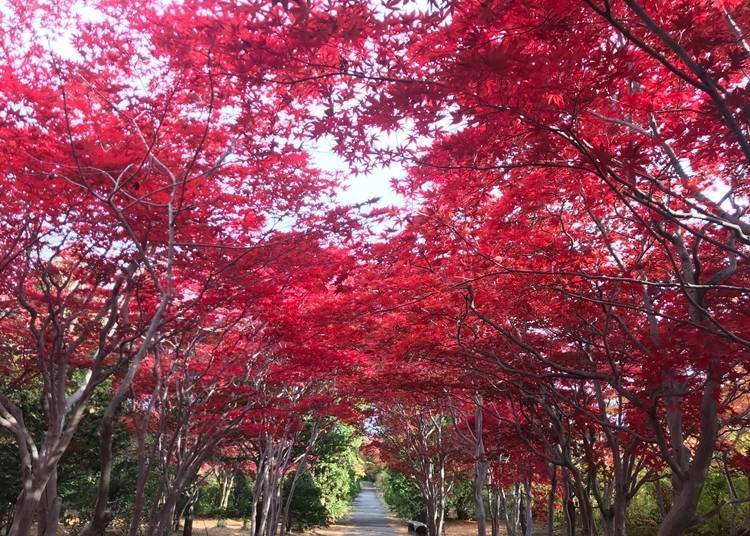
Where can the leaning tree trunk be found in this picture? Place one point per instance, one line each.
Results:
(286, 517)
(28, 502)
(690, 484)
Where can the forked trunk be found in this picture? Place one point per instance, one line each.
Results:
(690, 485)
(680, 516)
(510, 504)
(614, 524)
(28, 503)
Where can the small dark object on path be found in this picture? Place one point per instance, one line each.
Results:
(418, 527)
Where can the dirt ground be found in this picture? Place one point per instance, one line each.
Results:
(452, 528)
(207, 527)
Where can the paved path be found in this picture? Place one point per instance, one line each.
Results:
(368, 517)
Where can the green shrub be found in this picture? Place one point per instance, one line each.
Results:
(324, 492)
(402, 495)
(208, 498)
(461, 499)
(307, 509)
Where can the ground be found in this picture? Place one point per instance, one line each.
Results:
(368, 517)
(207, 527)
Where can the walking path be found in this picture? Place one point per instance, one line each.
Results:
(368, 517)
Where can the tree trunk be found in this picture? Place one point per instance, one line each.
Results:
(27, 504)
(275, 509)
(551, 500)
(226, 491)
(102, 515)
(510, 502)
(690, 483)
(494, 504)
(480, 476)
(140, 485)
(680, 516)
(264, 504)
(569, 507)
(257, 495)
(49, 508)
(286, 518)
(480, 467)
(527, 519)
(166, 514)
(433, 526)
(226, 484)
(187, 529)
(620, 517)
(584, 506)
(23, 514)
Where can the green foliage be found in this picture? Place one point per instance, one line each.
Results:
(714, 499)
(307, 508)
(714, 520)
(402, 495)
(338, 470)
(461, 499)
(242, 496)
(643, 514)
(78, 470)
(206, 504)
(404, 499)
(324, 493)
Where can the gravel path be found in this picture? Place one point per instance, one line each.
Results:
(368, 517)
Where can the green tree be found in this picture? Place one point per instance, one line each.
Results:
(325, 492)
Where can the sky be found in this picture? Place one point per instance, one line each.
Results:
(358, 188)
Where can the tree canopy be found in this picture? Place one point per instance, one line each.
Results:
(557, 312)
